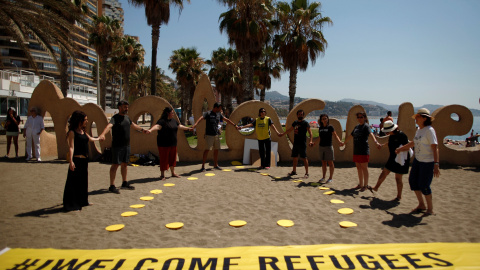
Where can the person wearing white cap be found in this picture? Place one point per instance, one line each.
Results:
(396, 139)
(426, 163)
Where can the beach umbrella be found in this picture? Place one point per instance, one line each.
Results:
(375, 126)
(313, 123)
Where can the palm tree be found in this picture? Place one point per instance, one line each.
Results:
(226, 73)
(300, 38)
(267, 67)
(248, 25)
(25, 19)
(104, 34)
(140, 83)
(187, 64)
(157, 13)
(128, 57)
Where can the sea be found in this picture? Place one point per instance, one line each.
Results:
(343, 122)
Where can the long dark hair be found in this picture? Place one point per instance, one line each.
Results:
(165, 113)
(320, 119)
(76, 119)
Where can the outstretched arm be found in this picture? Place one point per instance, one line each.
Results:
(198, 121)
(311, 136)
(105, 131)
(286, 132)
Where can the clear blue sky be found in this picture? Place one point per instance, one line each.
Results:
(423, 52)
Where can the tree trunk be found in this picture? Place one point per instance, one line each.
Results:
(103, 81)
(64, 73)
(262, 94)
(248, 78)
(228, 101)
(183, 105)
(292, 87)
(126, 89)
(155, 37)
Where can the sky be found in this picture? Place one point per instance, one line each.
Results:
(423, 52)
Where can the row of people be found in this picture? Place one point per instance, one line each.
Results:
(167, 127)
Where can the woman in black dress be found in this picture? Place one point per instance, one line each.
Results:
(75, 195)
(397, 138)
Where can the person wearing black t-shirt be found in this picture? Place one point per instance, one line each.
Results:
(167, 128)
(212, 132)
(326, 132)
(120, 125)
(361, 149)
(12, 122)
(300, 127)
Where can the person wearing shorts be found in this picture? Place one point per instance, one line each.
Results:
(426, 162)
(212, 133)
(361, 149)
(326, 133)
(120, 125)
(300, 128)
(12, 123)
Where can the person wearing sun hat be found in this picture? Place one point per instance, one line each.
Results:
(426, 162)
(396, 139)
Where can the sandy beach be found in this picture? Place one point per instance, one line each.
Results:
(31, 213)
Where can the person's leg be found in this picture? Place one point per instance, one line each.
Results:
(324, 168)
(172, 160)
(161, 161)
(215, 158)
(365, 174)
(305, 162)
(421, 204)
(332, 169)
(205, 154)
(15, 143)
(9, 141)
(261, 152)
(123, 170)
(381, 178)
(36, 145)
(429, 200)
(113, 173)
(29, 146)
(398, 179)
(360, 175)
(268, 153)
(295, 162)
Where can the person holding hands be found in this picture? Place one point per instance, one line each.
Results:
(300, 128)
(167, 128)
(262, 126)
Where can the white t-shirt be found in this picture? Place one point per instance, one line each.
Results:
(423, 139)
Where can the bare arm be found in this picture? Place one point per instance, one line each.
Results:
(311, 136)
(198, 121)
(286, 132)
(405, 147)
(275, 128)
(182, 127)
(91, 139)
(247, 125)
(338, 138)
(105, 131)
(137, 127)
(231, 123)
(155, 127)
(70, 138)
(375, 140)
(349, 137)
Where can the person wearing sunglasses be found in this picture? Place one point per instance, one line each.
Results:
(361, 149)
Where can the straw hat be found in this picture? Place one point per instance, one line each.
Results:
(423, 112)
(389, 126)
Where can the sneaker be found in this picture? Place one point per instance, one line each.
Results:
(329, 181)
(113, 189)
(217, 167)
(203, 169)
(28, 158)
(126, 185)
(39, 159)
(321, 180)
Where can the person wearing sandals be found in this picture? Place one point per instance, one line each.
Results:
(300, 128)
(425, 165)
(11, 127)
(167, 128)
(75, 194)
(326, 133)
(262, 127)
(361, 149)
(212, 133)
(395, 164)
(120, 125)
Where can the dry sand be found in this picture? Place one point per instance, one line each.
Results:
(31, 214)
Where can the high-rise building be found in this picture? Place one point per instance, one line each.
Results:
(83, 87)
